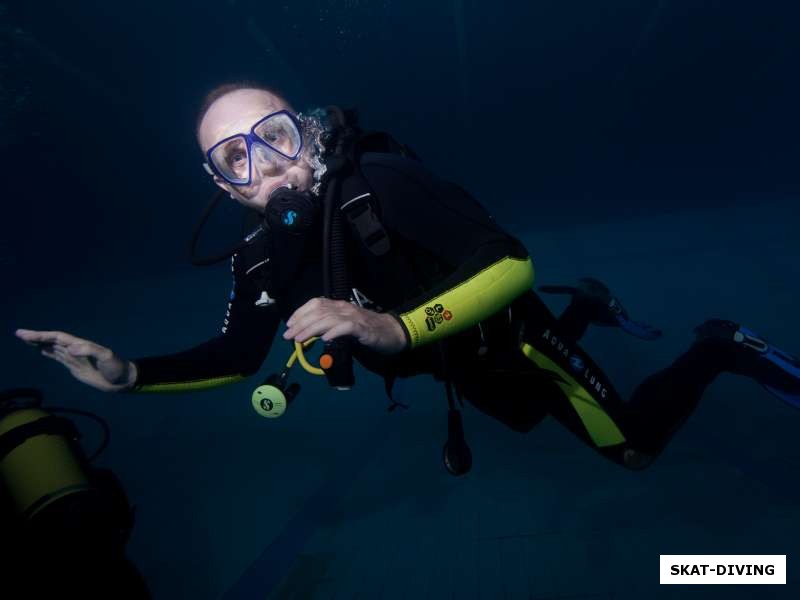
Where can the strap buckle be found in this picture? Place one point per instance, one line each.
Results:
(365, 222)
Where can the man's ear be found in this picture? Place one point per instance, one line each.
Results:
(217, 179)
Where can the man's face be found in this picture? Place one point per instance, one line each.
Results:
(236, 113)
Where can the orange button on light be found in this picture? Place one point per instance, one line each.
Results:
(326, 361)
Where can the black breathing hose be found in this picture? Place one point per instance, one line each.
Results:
(205, 261)
(335, 282)
(99, 420)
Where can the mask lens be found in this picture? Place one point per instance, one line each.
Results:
(266, 158)
(231, 160)
(280, 133)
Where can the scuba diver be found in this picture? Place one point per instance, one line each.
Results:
(350, 239)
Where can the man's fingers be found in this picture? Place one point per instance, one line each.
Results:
(80, 349)
(69, 359)
(86, 349)
(62, 354)
(40, 344)
(55, 355)
(77, 356)
(302, 318)
(301, 312)
(313, 307)
(314, 311)
(37, 336)
(318, 328)
(46, 337)
(76, 367)
(32, 338)
(25, 334)
(75, 346)
(346, 328)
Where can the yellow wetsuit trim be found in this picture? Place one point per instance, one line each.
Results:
(189, 386)
(602, 429)
(469, 302)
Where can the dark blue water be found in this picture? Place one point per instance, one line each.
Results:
(651, 143)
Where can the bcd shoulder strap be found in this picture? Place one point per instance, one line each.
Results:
(347, 142)
(357, 206)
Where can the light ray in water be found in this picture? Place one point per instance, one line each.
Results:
(463, 63)
(645, 36)
(285, 70)
(26, 42)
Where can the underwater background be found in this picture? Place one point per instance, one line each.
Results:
(651, 144)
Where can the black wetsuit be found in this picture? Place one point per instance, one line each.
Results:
(517, 364)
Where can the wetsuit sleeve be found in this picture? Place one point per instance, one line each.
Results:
(484, 267)
(246, 336)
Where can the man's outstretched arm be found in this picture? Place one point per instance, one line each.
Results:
(244, 343)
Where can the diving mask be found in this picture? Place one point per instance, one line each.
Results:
(273, 139)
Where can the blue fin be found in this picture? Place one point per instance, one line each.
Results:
(779, 358)
(637, 328)
(788, 397)
(594, 301)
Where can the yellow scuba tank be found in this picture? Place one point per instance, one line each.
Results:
(38, 459)
(57, 510)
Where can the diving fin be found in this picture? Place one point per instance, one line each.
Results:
(779, 372)
(593, 298)
(792, 399)
(637, 328)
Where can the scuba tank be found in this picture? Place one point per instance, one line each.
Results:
(38, 462)
(56, 509)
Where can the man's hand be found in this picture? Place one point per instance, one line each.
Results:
(330, 319)
(90, 363)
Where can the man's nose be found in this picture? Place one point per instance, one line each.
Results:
(265, 162)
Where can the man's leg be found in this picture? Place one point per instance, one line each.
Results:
(658, 406)
(663, 401)
(572, 387)
(633, 433)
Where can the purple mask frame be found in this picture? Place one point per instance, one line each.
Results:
(251, 138)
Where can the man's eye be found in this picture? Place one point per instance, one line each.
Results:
(237, 158)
